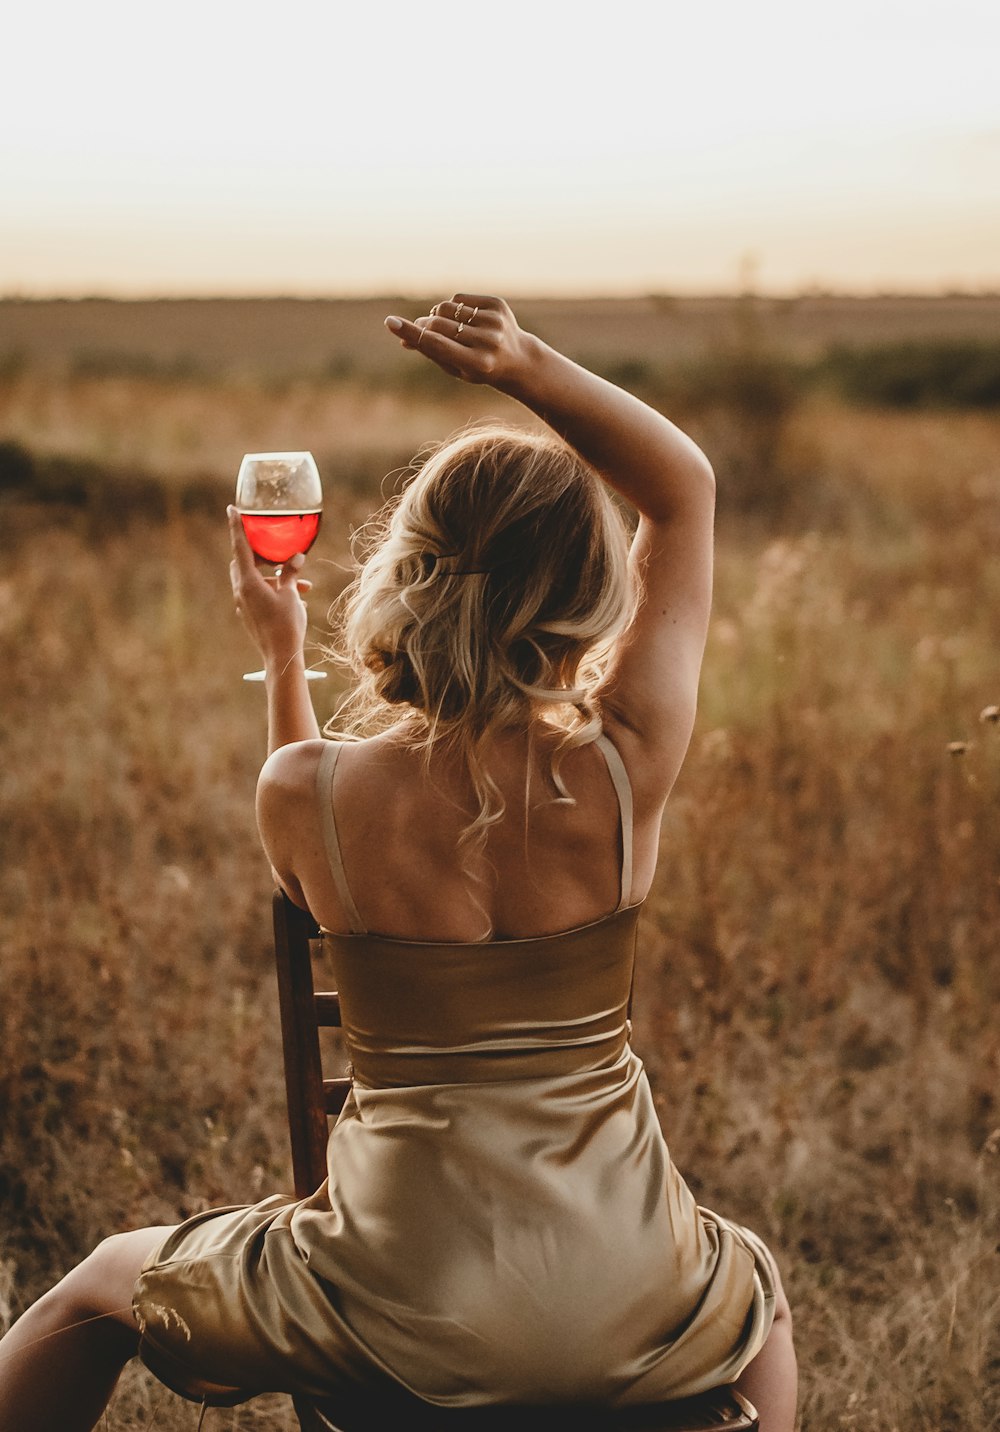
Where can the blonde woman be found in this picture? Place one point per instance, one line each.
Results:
(502, 1222)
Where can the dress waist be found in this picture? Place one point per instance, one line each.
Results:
(547, 1052)
(422, 1013)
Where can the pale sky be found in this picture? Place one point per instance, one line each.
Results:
(523, 147)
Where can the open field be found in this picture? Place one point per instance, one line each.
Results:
(819, 980)
(338, 337)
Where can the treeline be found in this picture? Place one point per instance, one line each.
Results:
(103, 490)
(915, 375)
(925, 374)
(123, 491)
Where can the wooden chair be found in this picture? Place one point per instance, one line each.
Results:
(311, 1101)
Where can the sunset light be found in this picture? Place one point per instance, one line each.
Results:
(330, 149)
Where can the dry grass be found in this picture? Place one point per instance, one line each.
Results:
(181, 430)
(818, 990)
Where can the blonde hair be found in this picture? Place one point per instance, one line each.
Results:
(496, 584)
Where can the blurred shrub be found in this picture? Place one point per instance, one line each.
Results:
(739, 402)
(339, 368)
(99, 490)
(932, 373)
(17, 468)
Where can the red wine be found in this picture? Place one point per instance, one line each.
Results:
(276, 536)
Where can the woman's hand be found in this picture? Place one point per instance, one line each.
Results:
(272, 608)
(473, 337)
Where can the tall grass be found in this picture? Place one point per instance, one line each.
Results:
(817, 994)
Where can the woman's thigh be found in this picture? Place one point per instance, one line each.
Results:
(782, 1311)
(102, 1285)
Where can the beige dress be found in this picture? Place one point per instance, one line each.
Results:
(501, 1221)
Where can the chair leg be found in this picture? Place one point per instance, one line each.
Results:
(309, 1420)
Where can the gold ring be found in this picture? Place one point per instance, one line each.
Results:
(473, 318)
(460, 327)
(458, 310)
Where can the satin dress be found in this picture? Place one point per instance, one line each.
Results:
(501, 1222)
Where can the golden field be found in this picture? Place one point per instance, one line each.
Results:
(818, 989)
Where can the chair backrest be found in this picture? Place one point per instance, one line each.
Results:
(311, 1098)
(311, 1101)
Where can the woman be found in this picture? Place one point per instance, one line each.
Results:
(502, 1221)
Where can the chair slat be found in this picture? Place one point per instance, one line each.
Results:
(335, 1092)
(293, 929)
(328, 1010)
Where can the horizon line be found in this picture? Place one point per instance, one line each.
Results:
(777, 294)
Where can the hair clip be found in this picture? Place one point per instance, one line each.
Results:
(439, 557)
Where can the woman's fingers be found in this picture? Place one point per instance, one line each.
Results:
(244, 574)
(465, 333)
(485, 302)
(446, 342)
(289, 570)
(428, 339)
(468, 314)
(242, 555)
(463, 330)
(302, 586)
(410, 333)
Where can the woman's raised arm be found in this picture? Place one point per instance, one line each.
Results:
(650, 689)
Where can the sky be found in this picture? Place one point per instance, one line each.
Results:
(530, 148)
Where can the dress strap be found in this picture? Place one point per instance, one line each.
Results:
(623, 790)
(324, 795)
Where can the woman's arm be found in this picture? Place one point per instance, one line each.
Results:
(275, 616)
(650, 689)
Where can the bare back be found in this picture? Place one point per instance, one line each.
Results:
(544, 869)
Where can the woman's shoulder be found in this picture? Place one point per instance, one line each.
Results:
(292, 770)
(291, 767)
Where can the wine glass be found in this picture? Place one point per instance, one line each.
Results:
(280, 502)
